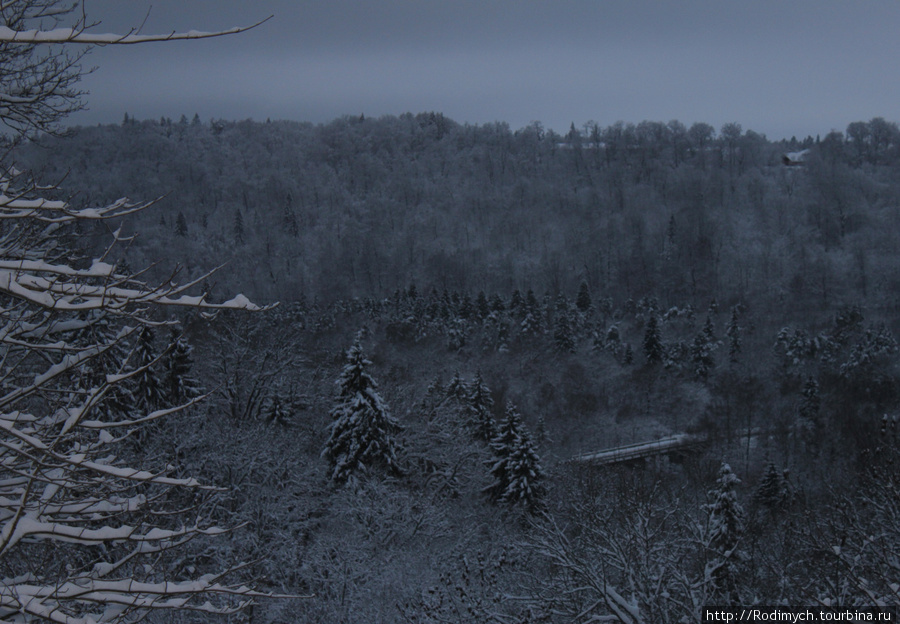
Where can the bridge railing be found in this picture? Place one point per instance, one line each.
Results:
(661, 446)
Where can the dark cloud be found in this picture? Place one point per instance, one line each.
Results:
(781, 68)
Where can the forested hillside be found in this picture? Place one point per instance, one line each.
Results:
(463, 309)
(361, 207)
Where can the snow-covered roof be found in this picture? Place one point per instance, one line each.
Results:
(793, 158)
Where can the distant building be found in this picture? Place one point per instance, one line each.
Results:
(795, 159)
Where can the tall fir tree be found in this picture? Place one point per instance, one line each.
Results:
(516, 473)
(702, 350)
(653, 345)
(466, 307)
(361, 434)
(531, 303)
(583, 299)
(502, 446)
(810, 403)
(179, 385)
(525, 474)
(709, 330)
(482, 307)
(457, 389)
(148, 392)
(113, 360)
(725, 514)
(628, 355)
(531, 321)
(517, 303)
(479, 407)
(725, 528)
(772, 493)
(562, 333)
(702, 356)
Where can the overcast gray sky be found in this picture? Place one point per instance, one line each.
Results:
(780, 67)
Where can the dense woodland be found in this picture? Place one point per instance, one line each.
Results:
(463, 309)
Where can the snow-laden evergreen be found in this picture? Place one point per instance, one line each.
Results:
(180, 386)
(725, 528)
(725, 514)
(562, 332)
(653, 345)
(525, 475)
(479, 407)
(361, 435)
(773, 491)
(148, 387)
(457, 389)
(502, 445)
(583, 299)
(530, 325)
(516, 473)
(702, 360)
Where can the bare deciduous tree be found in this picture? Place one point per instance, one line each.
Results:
(81, 533)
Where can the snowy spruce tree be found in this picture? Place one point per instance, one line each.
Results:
(100, 329)
(457, 389)
(84, 535)
(653, 345)
(478, 409)
(502, 445)
(773, 491)
(361, 435)
(583, 299)
(530, 325)
(725, 528)
(148, 392)
(810, 404)
(179, 385)
(702, 350)
(525, 474)
(725, 514)
(563, 336)
(628, 355)
(532, 322)
(516, 473)
(702, 360)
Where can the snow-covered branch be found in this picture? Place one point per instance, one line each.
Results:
(81, 531)
(81, 35)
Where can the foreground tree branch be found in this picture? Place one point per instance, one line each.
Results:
(81, 531)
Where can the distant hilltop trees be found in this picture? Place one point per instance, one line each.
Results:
(362, 205)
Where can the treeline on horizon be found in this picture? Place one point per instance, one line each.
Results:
(361, 207)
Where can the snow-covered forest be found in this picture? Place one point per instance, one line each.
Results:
(447, 322)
